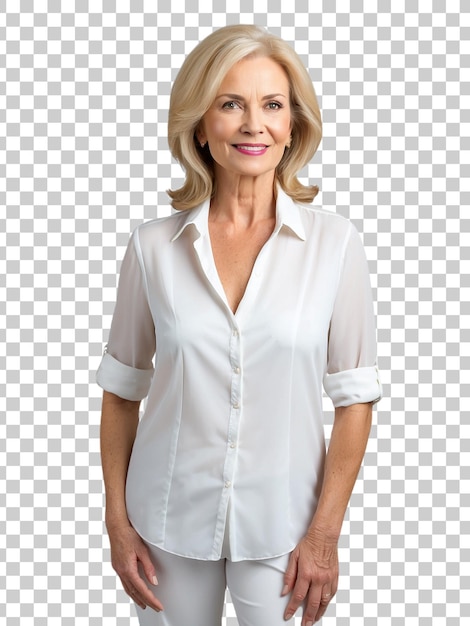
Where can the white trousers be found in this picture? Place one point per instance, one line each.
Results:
(192, 591)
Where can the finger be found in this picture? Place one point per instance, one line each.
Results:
(312, 606)
(291, 574)
(321, 611)
(147, 565)
(139, 590)
(144, 594)
(143, 599)
(133, 595)
(325, 600)
(334, 586)
(298, 595)
(326, 595)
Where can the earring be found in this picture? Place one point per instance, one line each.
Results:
(290, 141)
(202, 144)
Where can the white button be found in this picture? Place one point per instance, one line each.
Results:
(236, 405)
(236, 370)
(227, 484)
(235, 332)
(232, 444)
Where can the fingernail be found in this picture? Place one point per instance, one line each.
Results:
(154, 580)
(288, 616)
(285, 590)
(309, 624)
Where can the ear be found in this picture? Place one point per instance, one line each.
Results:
(200, 135)
(289, 141)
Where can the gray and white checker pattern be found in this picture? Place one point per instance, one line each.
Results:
(84, 92)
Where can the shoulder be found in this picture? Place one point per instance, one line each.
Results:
(320, 221)
(165, 224)
(161, 229)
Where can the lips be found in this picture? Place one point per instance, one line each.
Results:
(251, 148)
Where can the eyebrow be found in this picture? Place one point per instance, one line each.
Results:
(235, 96)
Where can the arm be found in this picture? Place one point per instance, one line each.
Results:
(348, 442)
(119, 420)
(125, 374)
(313, 567)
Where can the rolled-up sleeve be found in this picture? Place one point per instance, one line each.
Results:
(352, 375)
(126, 368)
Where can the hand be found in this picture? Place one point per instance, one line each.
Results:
(311, 576)
(127, 549)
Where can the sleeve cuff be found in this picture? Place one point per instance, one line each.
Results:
(126, 382)
(348, 387)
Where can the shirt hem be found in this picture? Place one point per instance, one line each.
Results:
(233, 559)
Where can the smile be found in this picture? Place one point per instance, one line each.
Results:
(250, 148)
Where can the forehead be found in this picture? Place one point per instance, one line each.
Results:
(258, 71)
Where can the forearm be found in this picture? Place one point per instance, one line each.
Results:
(348, 442)
(119, 420)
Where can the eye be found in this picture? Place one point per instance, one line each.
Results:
(231, 104)
(274, 106)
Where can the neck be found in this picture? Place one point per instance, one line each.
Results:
(243, 199)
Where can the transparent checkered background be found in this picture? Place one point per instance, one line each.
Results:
(84, 90)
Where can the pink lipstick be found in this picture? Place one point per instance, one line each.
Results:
(254, 149)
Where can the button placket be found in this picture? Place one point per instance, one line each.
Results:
(236, 405)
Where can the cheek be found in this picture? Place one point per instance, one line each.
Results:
(220, 129)
(288, 126)
(282, 128)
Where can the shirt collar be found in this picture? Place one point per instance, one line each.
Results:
(197, 216)
(287, 215)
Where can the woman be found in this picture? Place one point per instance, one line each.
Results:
(250, 299)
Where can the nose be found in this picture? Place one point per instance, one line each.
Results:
(252, 122)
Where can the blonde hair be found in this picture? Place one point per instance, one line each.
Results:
(195, 89)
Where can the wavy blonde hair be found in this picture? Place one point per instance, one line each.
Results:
(195, 89)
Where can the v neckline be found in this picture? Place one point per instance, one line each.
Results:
(254, 271)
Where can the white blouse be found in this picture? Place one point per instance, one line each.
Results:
(229, 453)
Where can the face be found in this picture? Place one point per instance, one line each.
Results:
(249, 125)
